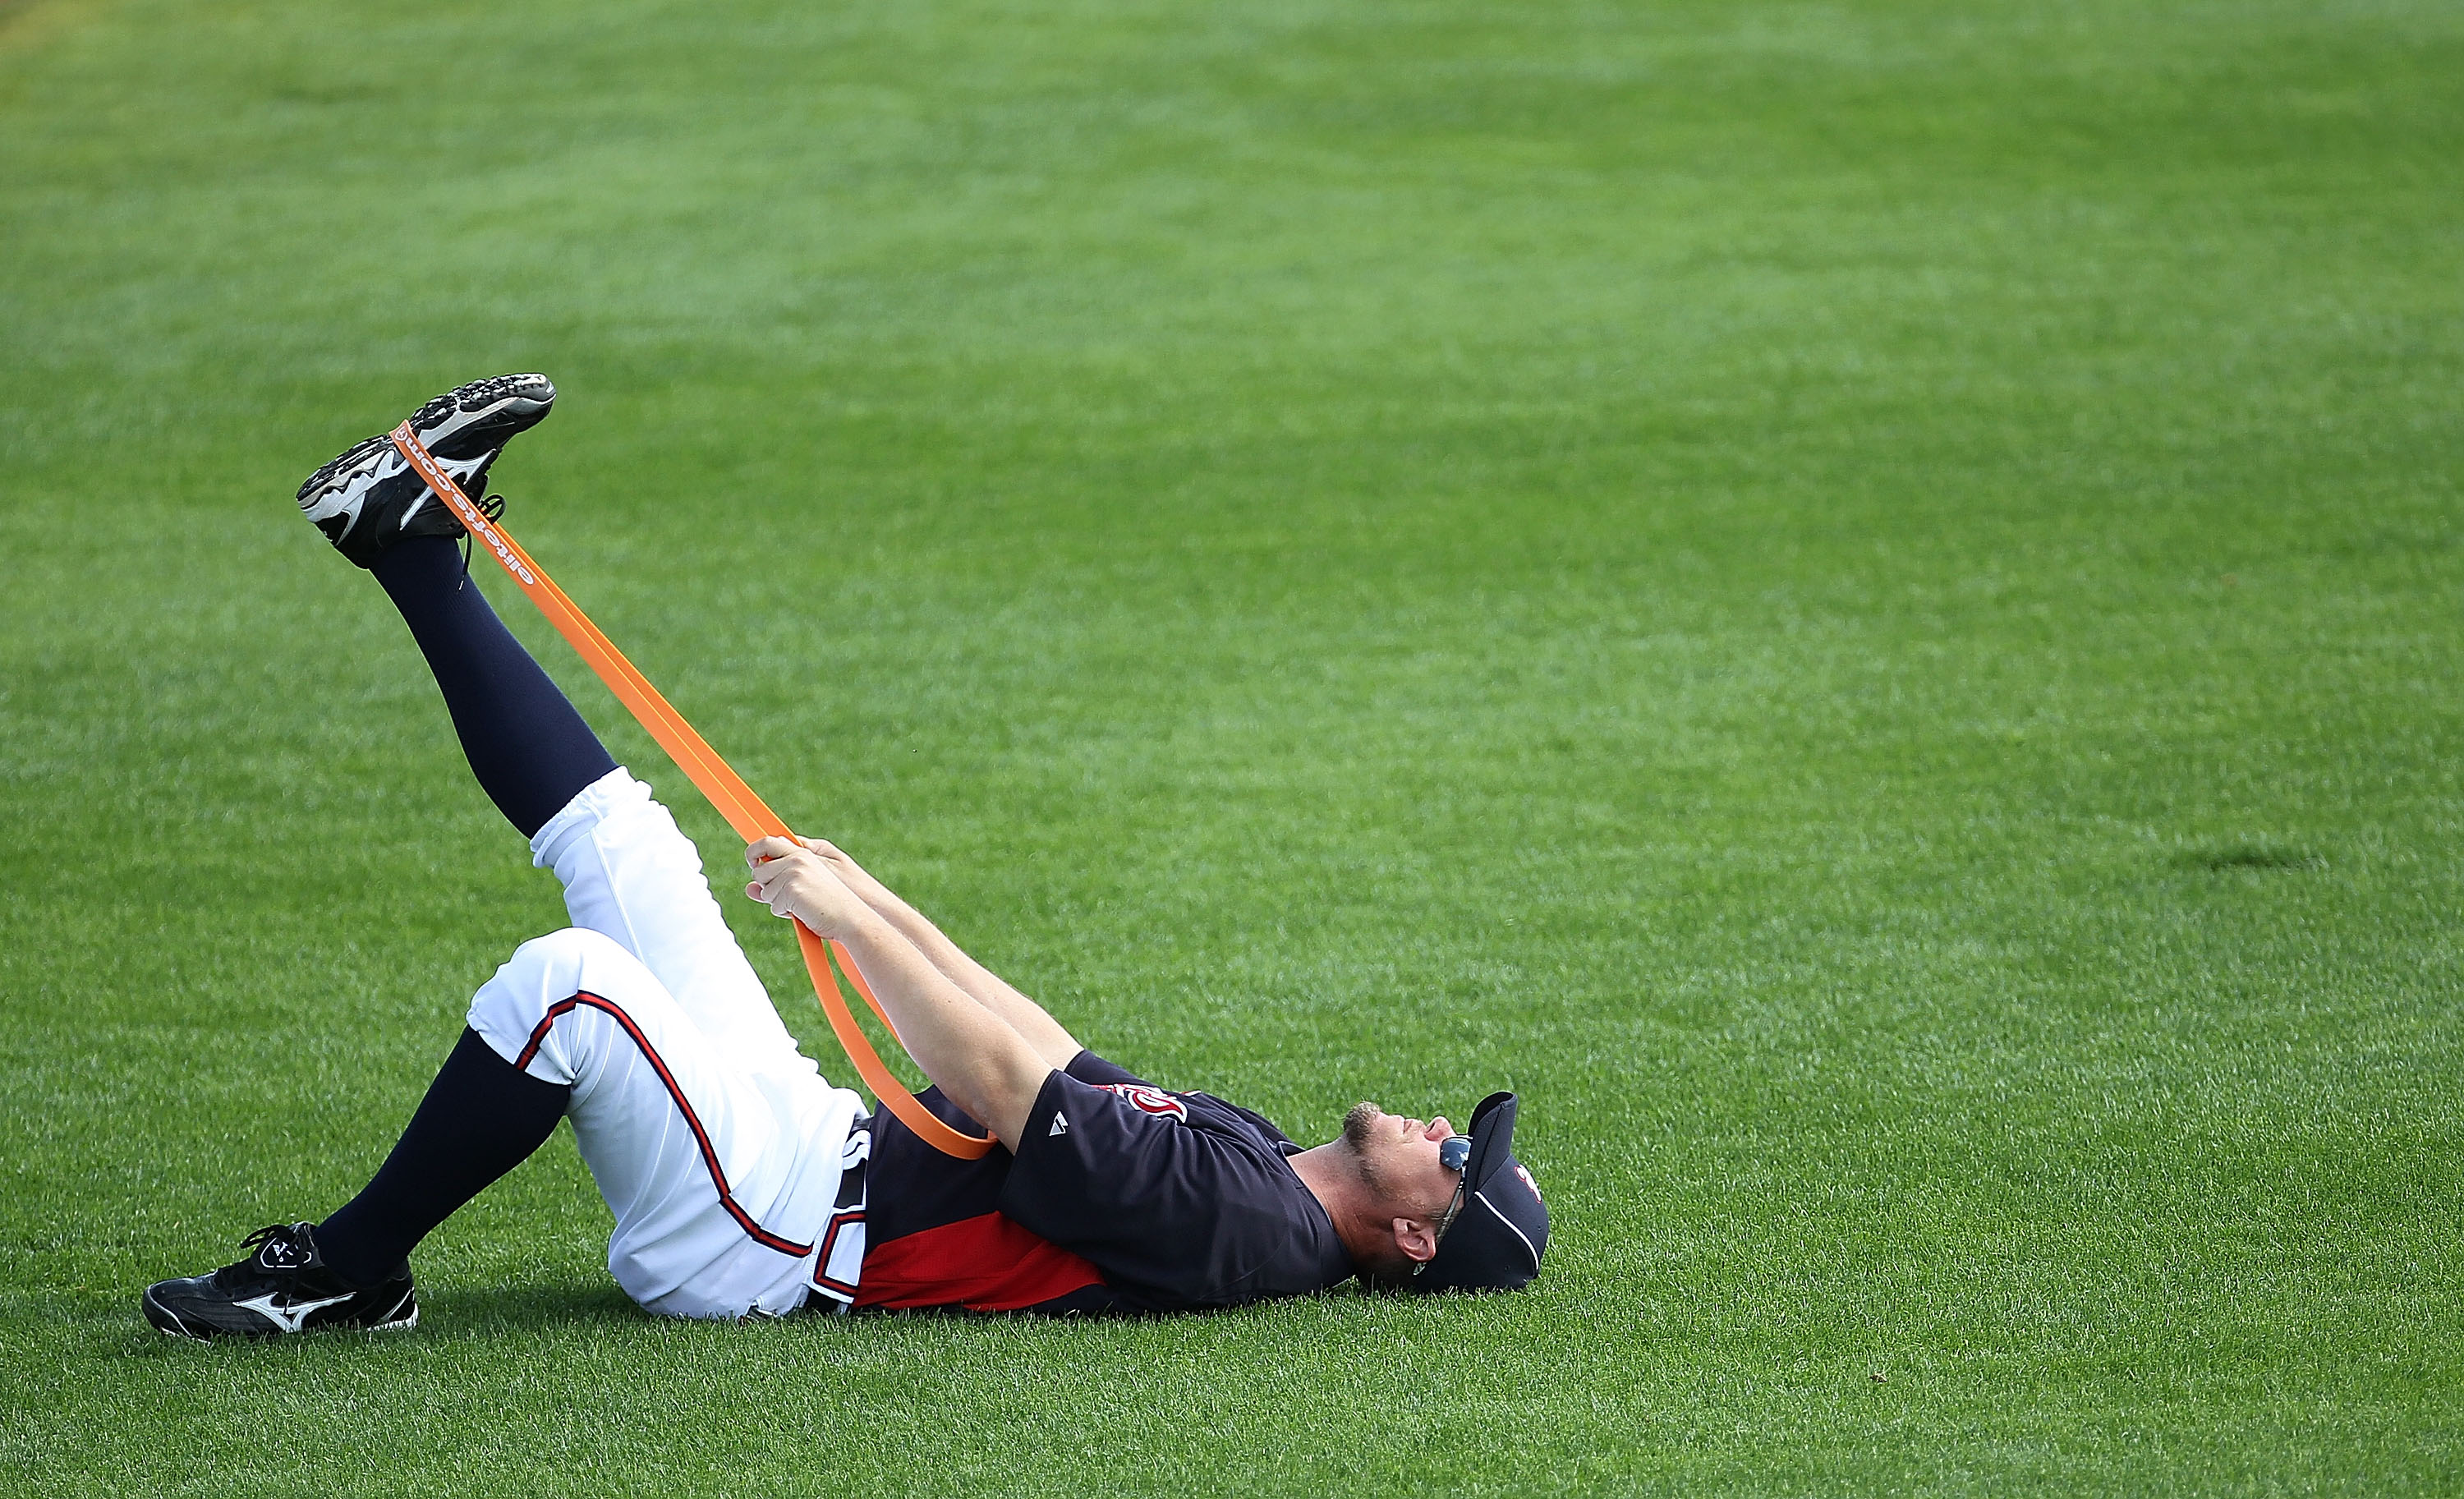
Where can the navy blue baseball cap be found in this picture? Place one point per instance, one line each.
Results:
(1502, 1227)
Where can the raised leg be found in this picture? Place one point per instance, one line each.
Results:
(530, 750)
(631, 875)
(628, 871)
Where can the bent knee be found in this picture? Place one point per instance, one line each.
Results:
(573, 948)
(543, 973)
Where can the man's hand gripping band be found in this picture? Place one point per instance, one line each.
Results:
(727, 791)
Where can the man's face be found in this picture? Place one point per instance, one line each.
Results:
(1399, 1159)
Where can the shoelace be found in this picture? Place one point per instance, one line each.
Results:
(269, 1234)
(494, 508)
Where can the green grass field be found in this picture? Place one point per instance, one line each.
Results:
(1859, 600)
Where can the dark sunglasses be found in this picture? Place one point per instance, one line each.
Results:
(1454, 1152)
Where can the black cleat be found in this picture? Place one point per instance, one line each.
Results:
(283, 1287)
(368, 497)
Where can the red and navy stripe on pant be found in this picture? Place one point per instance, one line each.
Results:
(585, 1000)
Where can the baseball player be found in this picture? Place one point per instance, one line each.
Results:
(742, 1183)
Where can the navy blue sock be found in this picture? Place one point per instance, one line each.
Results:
(482, 1117)
(530, 750)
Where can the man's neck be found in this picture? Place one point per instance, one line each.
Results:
(1334, 1178)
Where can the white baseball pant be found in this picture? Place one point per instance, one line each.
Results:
(716, 1142)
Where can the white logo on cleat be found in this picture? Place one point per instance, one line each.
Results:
(288, 1318)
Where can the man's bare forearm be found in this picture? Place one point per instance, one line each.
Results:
(1026, 1018)
(967, 1048)
(987, 989)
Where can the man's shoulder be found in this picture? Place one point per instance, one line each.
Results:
(1182, 1200)
(1193, 1107)
(1101, 1071)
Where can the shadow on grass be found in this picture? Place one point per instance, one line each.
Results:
(445, 1316)
(484, 1311)
(2249, 856)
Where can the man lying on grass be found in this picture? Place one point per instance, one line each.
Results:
(743, 1184)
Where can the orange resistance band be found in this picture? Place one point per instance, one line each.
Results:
(727, 791)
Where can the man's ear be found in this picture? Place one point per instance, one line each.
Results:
(1417, 1241)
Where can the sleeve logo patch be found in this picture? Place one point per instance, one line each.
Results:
(1150, 1100)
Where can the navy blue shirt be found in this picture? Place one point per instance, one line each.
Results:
(1122, 1197)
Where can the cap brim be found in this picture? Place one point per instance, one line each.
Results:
(1492, 1141)
(1486, 1248)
